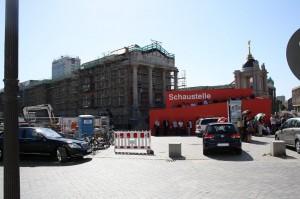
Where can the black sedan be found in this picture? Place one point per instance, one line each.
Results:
(45, 141)
(221, 136)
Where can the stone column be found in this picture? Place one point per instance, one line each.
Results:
(150, 86)
(134, 86)
(259, 83)
(254, 83)
(240, 83)
(237, 79)
(244, 82)
(265, 82)
(164, 86)
(175, 80)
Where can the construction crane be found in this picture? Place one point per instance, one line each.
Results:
(29, 115)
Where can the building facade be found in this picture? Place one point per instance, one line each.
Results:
(127, 82)
(281, 98)
(252, 76)
(256, 77)
(64, 66)
(296, 98)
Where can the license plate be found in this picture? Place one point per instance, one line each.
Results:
(223, 144)
(89, 150)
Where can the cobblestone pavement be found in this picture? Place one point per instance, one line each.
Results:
(254, 174)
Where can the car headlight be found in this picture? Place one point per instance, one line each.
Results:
(74, 145)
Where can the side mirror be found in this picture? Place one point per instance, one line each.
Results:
(40, 137)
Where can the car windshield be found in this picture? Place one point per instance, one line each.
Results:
(48, 133)
(207, 121)
(221, 128)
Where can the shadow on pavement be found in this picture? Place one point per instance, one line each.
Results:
(37, 161)
(178, 158)
(229, 156)
(258, 142)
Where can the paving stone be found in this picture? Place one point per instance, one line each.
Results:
(254, 174)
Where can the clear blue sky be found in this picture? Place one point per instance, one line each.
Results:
(208, 37)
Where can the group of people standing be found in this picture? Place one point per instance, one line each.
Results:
(173, 128)
(246, 128)
(249, 126)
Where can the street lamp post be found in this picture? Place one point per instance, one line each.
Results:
(11, 137)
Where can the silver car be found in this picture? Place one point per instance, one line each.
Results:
(290, 133)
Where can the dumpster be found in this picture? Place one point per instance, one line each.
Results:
(85, 125)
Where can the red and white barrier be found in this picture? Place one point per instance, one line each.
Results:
(140, 140)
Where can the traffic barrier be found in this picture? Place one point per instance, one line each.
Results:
(137, 140)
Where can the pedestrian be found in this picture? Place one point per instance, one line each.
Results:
(273, 124)
(245, 125)
(240, 127)
(175, 127)
(156, 126)
(283, 119)
(260, 126)
(250, 129)
(189, 127)
(181, 127)
(166, 126)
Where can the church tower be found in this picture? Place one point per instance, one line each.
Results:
(252, 76)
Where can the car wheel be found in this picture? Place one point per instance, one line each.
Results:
(61, 154)
(238, 151)
(205, 152)
(297, 145)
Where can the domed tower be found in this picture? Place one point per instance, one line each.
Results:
(252, 76)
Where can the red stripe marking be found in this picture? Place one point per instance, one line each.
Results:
(142, 135)
(135, 135)
(128, 135)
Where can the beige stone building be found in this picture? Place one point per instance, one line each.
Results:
(252, 76)
(127, 82)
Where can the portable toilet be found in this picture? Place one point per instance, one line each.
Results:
(85, 125)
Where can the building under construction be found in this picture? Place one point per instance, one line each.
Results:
(126, 82)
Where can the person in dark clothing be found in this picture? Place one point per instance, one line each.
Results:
(110, 116)
(156, 126)
(245, 125)
(166, 127)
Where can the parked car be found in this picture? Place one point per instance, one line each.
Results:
(220, 136)
(290, 133)
(45, 141)
(201, 124)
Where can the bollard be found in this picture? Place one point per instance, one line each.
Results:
(278, 148)
(174, 150)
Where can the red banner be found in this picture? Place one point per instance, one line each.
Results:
(197, 97)
(185, 105)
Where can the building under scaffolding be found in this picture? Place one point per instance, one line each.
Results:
(127, 82)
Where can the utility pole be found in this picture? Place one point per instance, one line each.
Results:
(11, 138)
